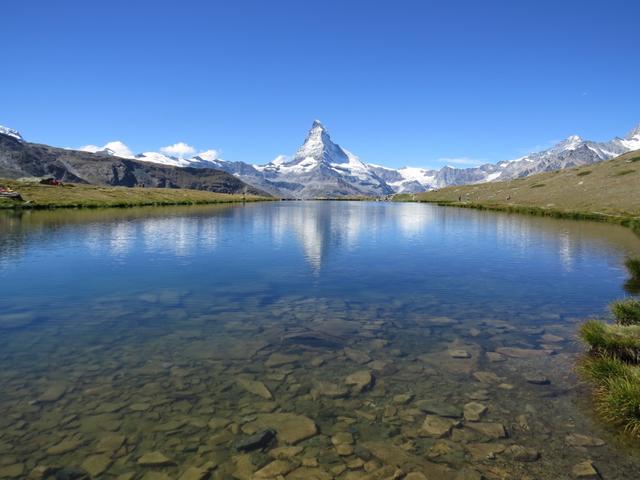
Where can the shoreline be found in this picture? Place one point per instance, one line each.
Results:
(633, 223)
(77, 196)
(124, 205)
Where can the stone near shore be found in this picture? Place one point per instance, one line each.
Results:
(521, 453)
(437, 427)
(580, 440)
(63, 447)
(585, 471)
(536, 379)
(274, 469)
(361, 380)
(154, 459)
(15, 470)
(96, 465)
(280, 359)
(488, 429)
(52, 394)
(473, 411)
(523, 352)
(459, 353)
(290, 427)
(256, 387)
(257, 441)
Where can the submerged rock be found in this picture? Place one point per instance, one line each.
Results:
(256, 387)
(63, 447)
(154, 459)
(274, 469)
(96, 465)
(435, 426)
(488, 429)
(361, 380)
(580, 440)
(523, 352)
(585, 471)
(290, 427)
(258, 441)
(536, 379)
(459, 353)
(521, 453)
(473, 411)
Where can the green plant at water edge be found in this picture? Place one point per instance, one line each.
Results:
(627, 312)
(633, 267)
(617, 390)
(618, 341)
(632, 285)
(618, 400)
(600, 368)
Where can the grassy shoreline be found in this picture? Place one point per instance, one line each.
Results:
(47, 197)
(626, 221)
(605, 192)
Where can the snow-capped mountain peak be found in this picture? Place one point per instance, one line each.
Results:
(11, 133)
(569, 143)
(634, 134)
(318, 148)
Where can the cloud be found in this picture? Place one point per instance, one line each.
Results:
(210, 155)
(474, 162)
(118, 148)
(179, 150)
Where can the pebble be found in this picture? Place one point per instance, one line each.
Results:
(585, 471)
(435, 426)
(488, 429)
(459, 353)
(154, 459)
(473, 411)
(580, 440)
(521, 453)
(536, 379)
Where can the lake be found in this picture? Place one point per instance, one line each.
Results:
(345, 339)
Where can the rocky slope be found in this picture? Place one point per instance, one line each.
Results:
(21, 159)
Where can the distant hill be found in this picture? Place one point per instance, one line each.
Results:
(610, 187)
(22, 159)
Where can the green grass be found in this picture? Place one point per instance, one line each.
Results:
(600, 368)
(617, 341)
(633, 267)
(626, 312)
(600, 194)
(38, 196)
(618, 401)
(617, 390)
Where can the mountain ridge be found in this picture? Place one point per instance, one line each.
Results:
(321, 168)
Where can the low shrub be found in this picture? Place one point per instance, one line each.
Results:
(618, 400)
(617, 341)
(584, 173)
(626, 312)
(633, 267)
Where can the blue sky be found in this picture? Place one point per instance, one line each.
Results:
(398, 83)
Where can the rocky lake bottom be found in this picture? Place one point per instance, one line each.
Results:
(234, 382)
